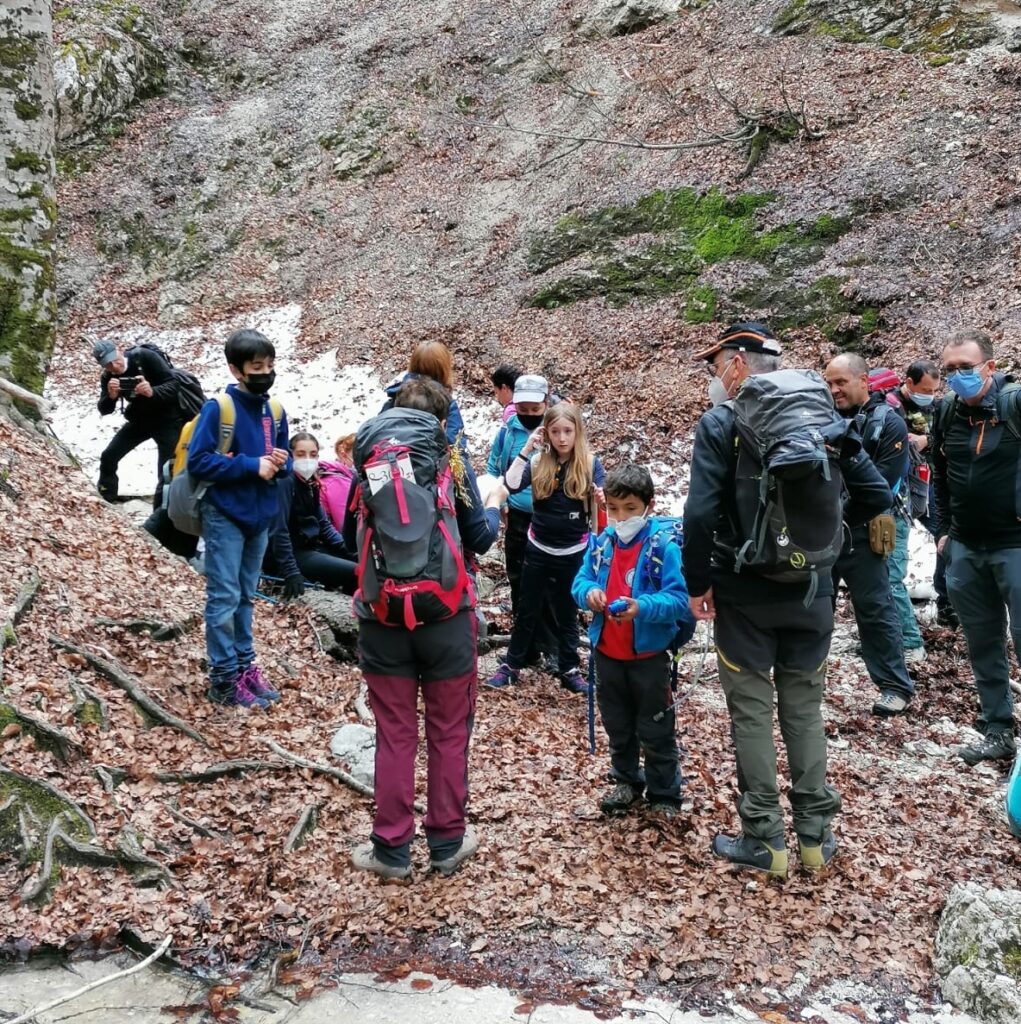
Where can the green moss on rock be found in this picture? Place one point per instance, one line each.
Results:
(21, 160)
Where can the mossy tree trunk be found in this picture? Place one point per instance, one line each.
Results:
(28, 210)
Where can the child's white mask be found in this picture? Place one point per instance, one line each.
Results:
(628, 529)
(306, 468)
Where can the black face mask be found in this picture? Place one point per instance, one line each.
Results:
(260, 383)
(530, 422)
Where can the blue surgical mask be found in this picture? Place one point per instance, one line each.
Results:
(922, 401)
(965, 384)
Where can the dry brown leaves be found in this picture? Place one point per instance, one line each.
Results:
(638, 901)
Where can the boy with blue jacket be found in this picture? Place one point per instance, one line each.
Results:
(634, 567)
(238, 508)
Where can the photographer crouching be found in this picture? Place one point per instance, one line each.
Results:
(147, 388)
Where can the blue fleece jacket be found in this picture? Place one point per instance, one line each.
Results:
(509, 440)
(660, 609)
(236, 488)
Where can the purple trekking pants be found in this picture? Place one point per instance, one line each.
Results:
(441, 658)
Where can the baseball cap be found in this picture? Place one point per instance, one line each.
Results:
(530, 387)
(105, 352)
(747, 337)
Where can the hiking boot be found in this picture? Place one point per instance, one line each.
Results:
(469, 845)
(665, 808)
(364, 859)
(947, 617)
(748, 852)
(503, 676)
(890, 703)
(574, 681)
(994, 746)
(816, 854)
(255, 681)
(235, 694)
(619, 799)
(914, 656)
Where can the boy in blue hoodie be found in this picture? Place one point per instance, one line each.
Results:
(237, 510)
(636, 563)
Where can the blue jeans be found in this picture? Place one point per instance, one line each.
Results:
(233, 564)
(984, 586)
(898, 567)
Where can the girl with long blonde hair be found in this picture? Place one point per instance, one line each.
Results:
(566, 481)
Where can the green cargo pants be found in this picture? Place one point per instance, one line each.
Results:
(793, 642)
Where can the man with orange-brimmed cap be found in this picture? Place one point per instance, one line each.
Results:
(773, 628)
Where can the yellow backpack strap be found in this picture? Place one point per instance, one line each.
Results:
(226, 404)
(276, 410)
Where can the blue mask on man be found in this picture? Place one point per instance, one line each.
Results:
(965, 383)
(922, 401)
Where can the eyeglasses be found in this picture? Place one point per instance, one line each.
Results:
(714, 371)
(967, 368)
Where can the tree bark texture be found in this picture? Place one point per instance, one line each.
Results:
(28, 209)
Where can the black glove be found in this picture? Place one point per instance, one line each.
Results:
(294, 586)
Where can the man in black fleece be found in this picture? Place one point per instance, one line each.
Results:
(977, 464)
(763, 627)
(151, 409)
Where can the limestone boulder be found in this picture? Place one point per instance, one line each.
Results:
(978, 952)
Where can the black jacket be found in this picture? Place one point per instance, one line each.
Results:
(301, 524)
(976, 457)
(162, 407)
(884, 435)
(712, 533)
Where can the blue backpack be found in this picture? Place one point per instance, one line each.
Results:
(1012, 799)
(664, 530)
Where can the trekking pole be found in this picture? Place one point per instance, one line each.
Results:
(309, 585)
(592, 702)
(708, 632)
(265, 597)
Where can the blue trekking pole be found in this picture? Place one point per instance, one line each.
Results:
(592, 702)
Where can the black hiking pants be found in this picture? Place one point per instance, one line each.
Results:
(165, 433)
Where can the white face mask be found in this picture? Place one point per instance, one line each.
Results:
(718, 391)
(306, 468)
(628, 529)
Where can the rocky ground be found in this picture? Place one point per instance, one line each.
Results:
(397, 173)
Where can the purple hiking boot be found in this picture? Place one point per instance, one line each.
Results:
(252, 680)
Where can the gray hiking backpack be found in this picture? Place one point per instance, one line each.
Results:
(411, 568)
(789, 488)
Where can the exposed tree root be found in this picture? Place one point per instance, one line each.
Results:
(128, 854)
(120, 677)
(47, 736)
(155, 628)
(306, 823)
(89, 707)
(22, 603)
(195, 826)
(219, 770)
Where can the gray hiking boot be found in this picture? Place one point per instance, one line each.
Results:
(890, 703)
(748, 852)
(619, 799)
(994, 746)
(364, 859)
(816, 853)
(469, 845)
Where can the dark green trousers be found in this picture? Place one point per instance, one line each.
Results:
(777, 651)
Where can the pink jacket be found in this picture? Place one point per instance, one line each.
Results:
(335, 480)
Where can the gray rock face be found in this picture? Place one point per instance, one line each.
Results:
(355, 745)
(978, 952)
(101, 70)
(619, 17)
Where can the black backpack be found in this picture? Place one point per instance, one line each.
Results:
(411, 568)
(789, 487)
(190, 396)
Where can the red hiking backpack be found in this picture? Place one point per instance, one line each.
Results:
(411, 567)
